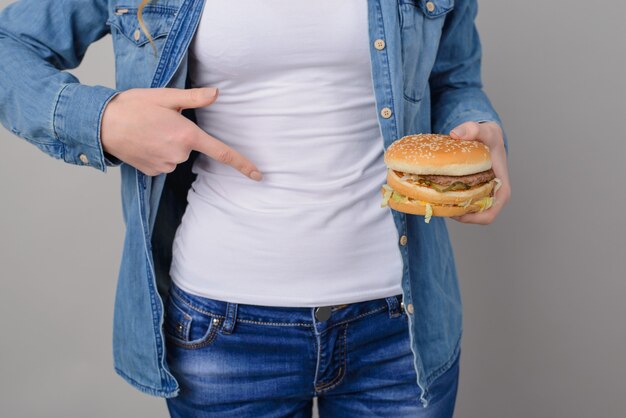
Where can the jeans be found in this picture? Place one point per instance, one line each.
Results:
(236, 360)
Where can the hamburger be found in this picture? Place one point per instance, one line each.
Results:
(437, 175)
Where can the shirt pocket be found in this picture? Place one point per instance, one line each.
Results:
(135, 59)
(421, 23)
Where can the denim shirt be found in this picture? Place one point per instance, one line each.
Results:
(426, 78)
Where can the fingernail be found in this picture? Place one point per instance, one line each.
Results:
(210, 91)
(460, 132)
(255, 175)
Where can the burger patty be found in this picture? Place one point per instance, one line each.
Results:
(470, 180)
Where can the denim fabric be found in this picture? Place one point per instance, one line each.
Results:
(262, 361)
(427, 74)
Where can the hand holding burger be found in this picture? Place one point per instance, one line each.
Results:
(440, 175)
(491, 135)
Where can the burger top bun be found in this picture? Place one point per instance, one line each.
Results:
(437, 154)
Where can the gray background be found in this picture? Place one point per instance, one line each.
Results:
(543, 287)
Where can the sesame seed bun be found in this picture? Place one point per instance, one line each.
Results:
(437, 154)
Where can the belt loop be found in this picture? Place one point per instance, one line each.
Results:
(394, 306)
(231, 318)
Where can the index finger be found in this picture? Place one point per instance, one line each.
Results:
(219, 151)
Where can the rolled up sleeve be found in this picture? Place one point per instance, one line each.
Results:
(456, 88)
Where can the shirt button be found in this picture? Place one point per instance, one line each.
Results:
(403, 240)
(409, 308)
(385, 112)
(137, 34)
(430, 6)
(379, 44)
(83, 158)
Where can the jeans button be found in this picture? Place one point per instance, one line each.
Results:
(322, 313)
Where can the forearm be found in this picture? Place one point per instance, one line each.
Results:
(39, 101)
(457, 94)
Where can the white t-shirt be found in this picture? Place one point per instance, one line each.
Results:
(296, 98)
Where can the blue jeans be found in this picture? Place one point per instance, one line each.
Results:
(236, 360)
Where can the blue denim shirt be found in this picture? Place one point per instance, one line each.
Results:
(427, 73)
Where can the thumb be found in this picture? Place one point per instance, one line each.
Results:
(180, 99)
(467, 130)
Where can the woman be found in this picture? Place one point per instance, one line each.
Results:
(249, 295)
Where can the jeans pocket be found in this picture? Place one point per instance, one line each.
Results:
(187, 326)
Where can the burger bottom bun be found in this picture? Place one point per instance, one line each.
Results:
(416, 208)
(427, 194)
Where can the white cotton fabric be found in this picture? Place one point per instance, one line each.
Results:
(296, 98)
